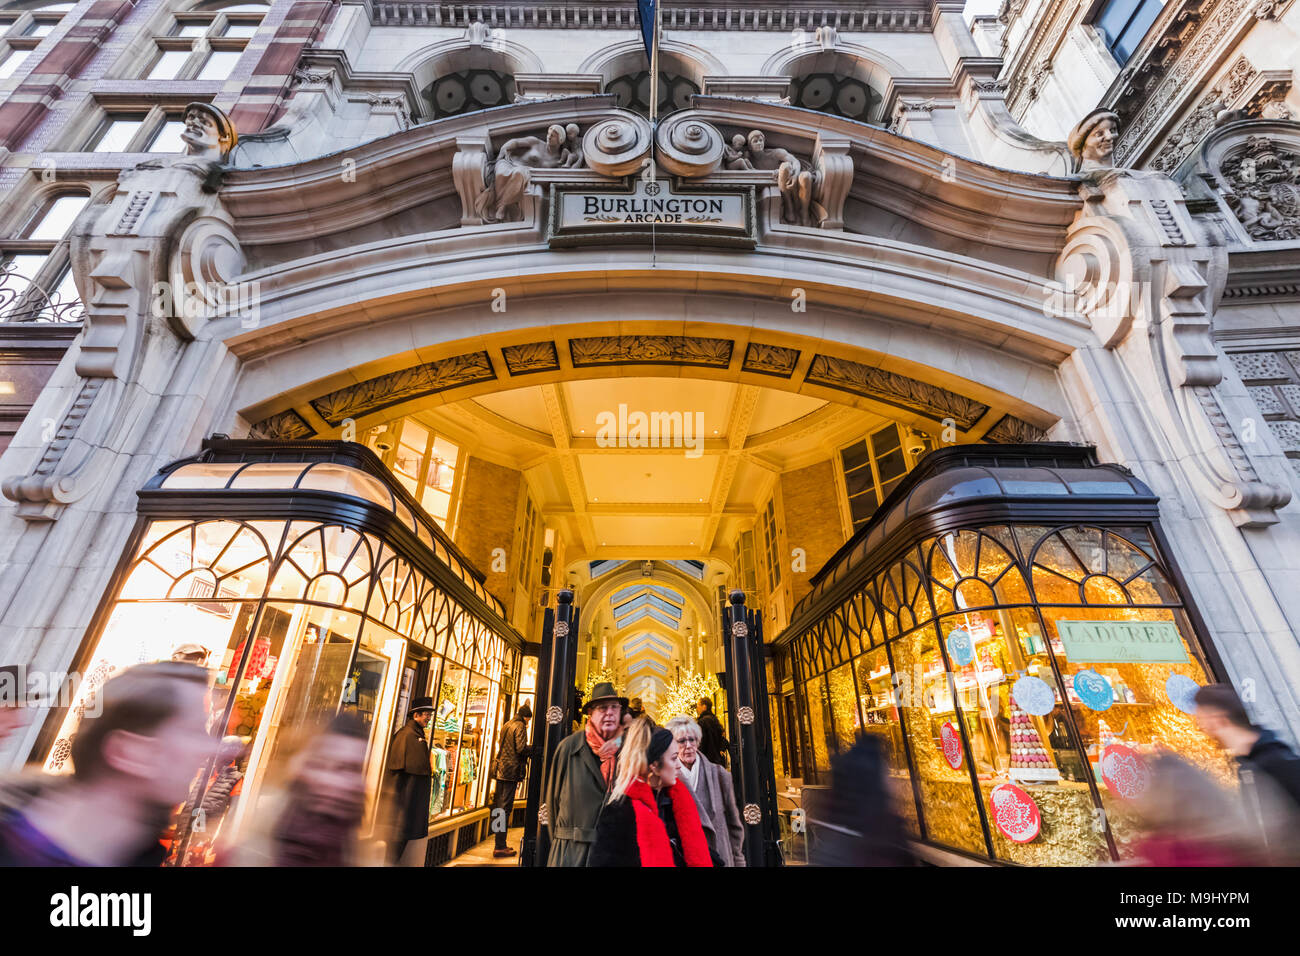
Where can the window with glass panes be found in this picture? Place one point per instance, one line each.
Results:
(746, 573)
(1123, 23)
(204, 45)
(152, 131)
(767, 524)
(22, 31)
(872, 467)
(526, 543)
(425, 463)
(36, 283)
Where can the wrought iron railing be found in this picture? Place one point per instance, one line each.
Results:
(22, 300)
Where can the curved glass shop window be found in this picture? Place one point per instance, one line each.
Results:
(1055, 663)
(295, 622)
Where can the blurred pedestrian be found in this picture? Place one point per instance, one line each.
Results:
(1268, 769)
(1189, 820)
(650, 818)
(714, 792)
(855, 823)
(133, 763)
(713, 742)
(410, 779)
(637, 711)
(313, 818)
(582, 774)
(510, 768)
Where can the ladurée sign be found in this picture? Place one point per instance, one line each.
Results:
(582, 214)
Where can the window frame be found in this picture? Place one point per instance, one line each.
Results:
(1103, 7)
(51, 274)
(214, 23)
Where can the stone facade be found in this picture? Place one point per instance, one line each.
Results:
(810, 505)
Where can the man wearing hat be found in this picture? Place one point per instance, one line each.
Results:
(410, 778)
(581, 777)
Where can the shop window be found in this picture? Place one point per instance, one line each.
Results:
(203, 45)
(36, 283)
(1050, 689)
(872, 468)
(298, 620)
(1123, 23)
(881, 719)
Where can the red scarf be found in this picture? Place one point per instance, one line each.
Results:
(595, 741)
(652, 835)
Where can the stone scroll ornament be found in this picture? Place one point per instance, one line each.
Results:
(155, 259)
(1147, 277)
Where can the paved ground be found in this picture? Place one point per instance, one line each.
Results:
(481, 855)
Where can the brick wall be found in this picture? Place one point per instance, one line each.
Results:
(487, 520)
(811, 520)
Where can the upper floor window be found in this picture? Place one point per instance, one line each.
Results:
(153, 132)
(204, 44)
(836, 94)
(466, 91)
(425, 463)
(21, 31)
(36, 283)
(1123, 24)
(872, 467)
(771, 550)
(632, 92)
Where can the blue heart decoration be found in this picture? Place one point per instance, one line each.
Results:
(961, 646)
(1094, 690)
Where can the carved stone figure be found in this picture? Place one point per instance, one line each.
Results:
(573, 147)
(1264, 179)
(511, 174)
(1092, 141)
(733, 154)
(797, 184)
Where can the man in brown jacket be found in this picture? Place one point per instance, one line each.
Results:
(410, 777)
(509, 770)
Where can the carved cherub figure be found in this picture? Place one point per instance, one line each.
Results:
(733, 154)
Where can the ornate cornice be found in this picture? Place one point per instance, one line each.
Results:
(897, 17)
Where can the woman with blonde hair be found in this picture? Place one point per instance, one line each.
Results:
(650, 818)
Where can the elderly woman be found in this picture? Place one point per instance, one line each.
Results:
(713, 790)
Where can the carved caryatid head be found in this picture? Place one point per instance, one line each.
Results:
(208, 133)
(1092, 141)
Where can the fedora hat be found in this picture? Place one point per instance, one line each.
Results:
(600, 693)
(421, 703)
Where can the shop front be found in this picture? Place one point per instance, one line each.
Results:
(1012, 628)
(309, 582)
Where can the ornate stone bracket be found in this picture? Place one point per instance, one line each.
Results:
(468, 173)
(834, 167)
(153, 263)
(1147, 278)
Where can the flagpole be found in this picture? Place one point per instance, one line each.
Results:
(654, 72)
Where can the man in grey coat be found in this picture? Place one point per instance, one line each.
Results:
(580, 777)
(714, 794)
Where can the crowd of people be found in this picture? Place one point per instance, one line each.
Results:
(621, 790)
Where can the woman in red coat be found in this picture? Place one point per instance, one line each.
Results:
(650, 818)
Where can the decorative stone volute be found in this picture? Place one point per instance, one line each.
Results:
(617, 146)
(688, 146)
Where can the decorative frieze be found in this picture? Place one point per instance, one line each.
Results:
(1014, 431)
(532, 357)
(650, 350)
(428, 379)
(286, 426)
(1200, 121)
(1263, 181)
(622, 16)
(894, 389)
(770, 359)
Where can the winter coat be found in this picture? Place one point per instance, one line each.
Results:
(513, 754)
(715, 794)
(410, 776)
(631, 833)
(575, 791)
(1271, 757)
(713, 742)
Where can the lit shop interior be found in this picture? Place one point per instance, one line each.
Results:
(1013, 631)
(316, 583)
